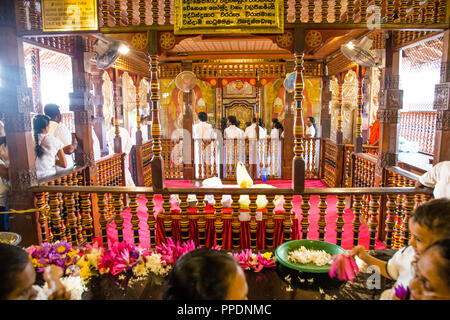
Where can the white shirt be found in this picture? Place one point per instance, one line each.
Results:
(202, 130)
(310, 131)
(96, 145)
(233, 132)
(400, 268)
(439, 178)
(274, 133)
(62, 133)
(45, 165)
(127, 144)
(250, 132)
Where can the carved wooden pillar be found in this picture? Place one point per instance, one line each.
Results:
(138, 136)
(391, 101)
(339, 133)
(157, 161)
(288, 143)
(298, 163)
(36, 80)
(325, 113)
(116, 98)
(16, 105)
(442, 106)
(97, 100)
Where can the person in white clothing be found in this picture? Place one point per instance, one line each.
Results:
(202, 133)
(430, 222)
(438, 178)
(144, 130)
(310, 130)
(275, 148)
(49, 150)
(95, 141)
(62, 133)
(127, 144)
(234, 154)
(254, 141)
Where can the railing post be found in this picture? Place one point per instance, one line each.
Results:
(151, 222)
(188, 145)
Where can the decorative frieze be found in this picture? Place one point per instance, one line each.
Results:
(443, 120)
(442, 96)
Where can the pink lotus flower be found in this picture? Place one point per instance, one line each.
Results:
(170, 252)
(344, 266)
(121, 256)
(249, 260)
(401, 292)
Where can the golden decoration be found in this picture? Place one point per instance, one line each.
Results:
(139, 41)
(313, 38)
(167, 40)
(285, 40)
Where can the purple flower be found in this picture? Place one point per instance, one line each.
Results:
(401, 292)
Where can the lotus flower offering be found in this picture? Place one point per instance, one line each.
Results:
(344, 267)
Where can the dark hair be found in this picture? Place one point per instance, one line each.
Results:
(201, 274)
(202, 116)
(443, 248)
(40, 122)
(275, 120)
(3, 140)
(248, 124)
(238, 123)
(279, 126)
(313, 121)
(233, 120)
(434, 215)
(254, 120)
(261, 123)
(223, 124)
(52, 110)
(13, 260)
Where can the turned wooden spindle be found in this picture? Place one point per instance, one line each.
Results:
(201, 219)
(71, 217)
(373, 222)
(134, 218)
(408, 208)
(269, 222)
(86, 216)
(218, 223)
(305, 206)
(340, 206)
(287, 222)
(167, 216)
(118, 219)
(55, 217)
(42, 205)
(151, 221)
(322, 212)
(357, 207)
(103, 219)
(235, 224)
(390, 215)
(253, 224)
(184, 222)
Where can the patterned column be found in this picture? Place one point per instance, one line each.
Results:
(138, 114)
(36, 80)
(298, 163)
(339, 133)
(442, 107)
(157, 161)
(116, 95)
(358, 137)
(325, 114)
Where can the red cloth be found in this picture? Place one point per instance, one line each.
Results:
(374, 132)
(245, 235)
(261, 235)
(193, 227)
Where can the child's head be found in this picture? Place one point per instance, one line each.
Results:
(17, 274)
(40, 125)
(429, 223)
(432, 277)
(206, 274)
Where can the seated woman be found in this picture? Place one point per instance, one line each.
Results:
(432, 276)
(206, 274)
(49, 150)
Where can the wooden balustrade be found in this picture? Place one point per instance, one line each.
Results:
(419, 127)
(214, 225)
(348, 150)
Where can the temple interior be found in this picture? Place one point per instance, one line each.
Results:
(351, 97)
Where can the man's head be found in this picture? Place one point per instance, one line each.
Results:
(232, 121)
(254, 120)
(202, 116)
(52, 111)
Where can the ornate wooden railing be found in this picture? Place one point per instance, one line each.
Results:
(229, 228)
(420, 127)
(123, 15)
(348, 150)
(111, 170)
(332, 155)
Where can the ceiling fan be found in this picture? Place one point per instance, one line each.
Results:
(185, 81)
(108, 51)
(360, 52)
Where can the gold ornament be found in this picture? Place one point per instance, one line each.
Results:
(313, 38)
(167, 40)
(285, 40)
(139, 41)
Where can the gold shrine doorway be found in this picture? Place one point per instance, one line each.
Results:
(242, 111)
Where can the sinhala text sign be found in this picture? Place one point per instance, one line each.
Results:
(228, 16)
(69, 15)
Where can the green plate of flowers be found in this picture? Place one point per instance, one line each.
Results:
(290, 253)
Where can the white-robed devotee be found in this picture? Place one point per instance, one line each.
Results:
(438, 178)
(127, 144)
(49, 150)
(202, 133)
(95, 141)
(256, 147)
(234, 149)
(58, 130)
(276, 134)
(310, 130)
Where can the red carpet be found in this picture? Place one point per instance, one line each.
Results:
(330, 233)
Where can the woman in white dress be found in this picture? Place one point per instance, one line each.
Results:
(275, 147)
(310, 131)
(49, 150)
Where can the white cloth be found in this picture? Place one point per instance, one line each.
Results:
(45, 165)
(310, 131)
(250, 132)
(400, 268)
(202, 131)
(275, 153)
(96, 145)
(144, 131)
(232, 154)
(255, 147)
(62, 133)
(127, 144)
(439, 179)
